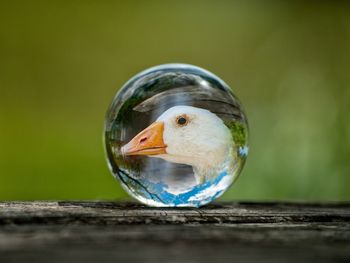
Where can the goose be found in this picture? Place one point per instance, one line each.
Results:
(186, 135)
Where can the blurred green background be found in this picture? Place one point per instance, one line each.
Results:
(63, 61)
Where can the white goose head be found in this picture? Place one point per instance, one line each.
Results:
(186, 135)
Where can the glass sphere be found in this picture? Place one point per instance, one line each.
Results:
(176, 135)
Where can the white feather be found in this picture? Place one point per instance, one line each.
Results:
(204, 142)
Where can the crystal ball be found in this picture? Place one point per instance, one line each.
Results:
(176, 136)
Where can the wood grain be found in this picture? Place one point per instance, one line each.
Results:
(118, 232)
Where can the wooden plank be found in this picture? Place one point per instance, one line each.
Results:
(110, 232)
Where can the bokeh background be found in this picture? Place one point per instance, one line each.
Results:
(61, 62)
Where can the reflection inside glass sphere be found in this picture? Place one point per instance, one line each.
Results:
(175, 135)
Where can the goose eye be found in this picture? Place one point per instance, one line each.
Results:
(181, 120)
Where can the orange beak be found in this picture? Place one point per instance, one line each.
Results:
(147, 142)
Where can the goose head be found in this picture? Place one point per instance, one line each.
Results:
(185, 135)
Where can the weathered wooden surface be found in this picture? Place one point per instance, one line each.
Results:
(118, 232)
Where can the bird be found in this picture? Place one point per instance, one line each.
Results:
(187, 135)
